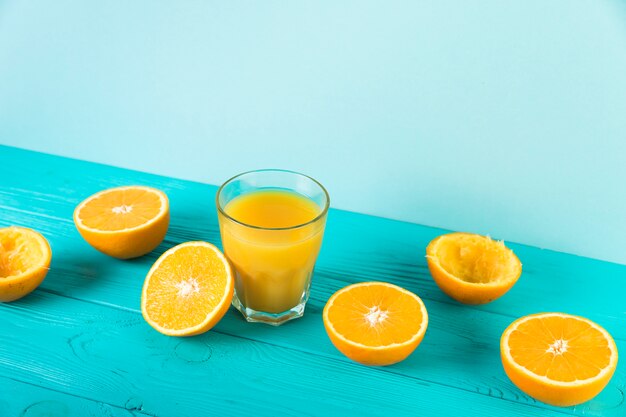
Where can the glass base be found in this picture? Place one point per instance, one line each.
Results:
(254, 316)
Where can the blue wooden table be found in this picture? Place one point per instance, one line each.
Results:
(78, 346)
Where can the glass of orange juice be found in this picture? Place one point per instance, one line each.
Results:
(272, 222)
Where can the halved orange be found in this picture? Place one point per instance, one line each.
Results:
(124, 222)
(558, 358)
(24, 261)
(472, 269)
(375, 323)
(187, 290)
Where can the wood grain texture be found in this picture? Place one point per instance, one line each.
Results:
(27, 400)
(111, 356)
(82, 334)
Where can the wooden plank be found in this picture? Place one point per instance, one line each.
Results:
(110, 355)
(356, 248)
(27, 400)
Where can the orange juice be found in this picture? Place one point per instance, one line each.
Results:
(272, 239)
(272, 209)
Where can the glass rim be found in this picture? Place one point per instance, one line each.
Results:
(286, 171)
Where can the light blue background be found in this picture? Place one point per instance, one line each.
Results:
(507, 118)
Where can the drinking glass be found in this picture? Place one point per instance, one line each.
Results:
(273, 265)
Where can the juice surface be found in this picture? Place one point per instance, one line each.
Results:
(272, 209)
(273, 267)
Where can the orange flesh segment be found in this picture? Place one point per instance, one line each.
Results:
(560, 348)
(186, 287)
(121, 209)
(476, 259)
(376, 315)
(19, 253)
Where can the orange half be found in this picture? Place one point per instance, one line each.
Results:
(472, 269)
(558, 358)
(375, 323)
(124, 222)
(24, 262)
(187, 290)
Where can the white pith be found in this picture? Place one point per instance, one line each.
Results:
(187, 287)
(559, 347)
(123, 209)
(376, 316)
